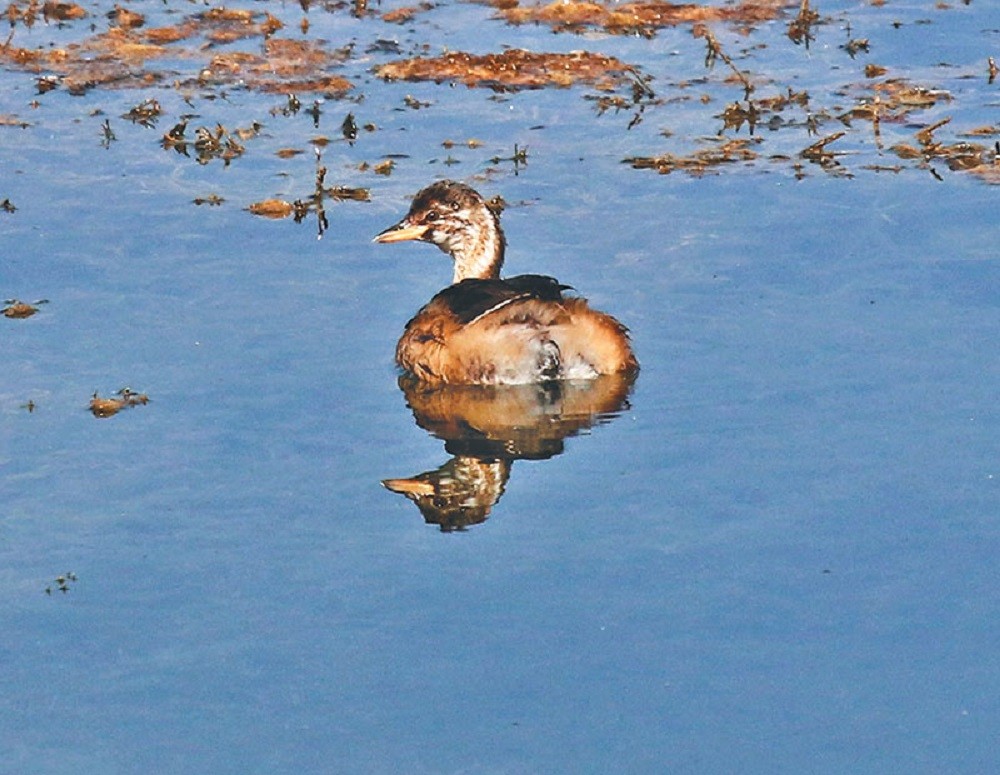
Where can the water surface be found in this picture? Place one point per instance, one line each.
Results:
(774, 555)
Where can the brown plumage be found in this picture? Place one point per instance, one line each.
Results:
(458, 494)
(487, 428)
(484, 330)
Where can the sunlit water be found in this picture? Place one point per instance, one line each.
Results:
(774, 553)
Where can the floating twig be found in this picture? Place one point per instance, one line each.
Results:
(800, 28)
(714, 51)
(817, 151)
(123, 399)
(18, 310)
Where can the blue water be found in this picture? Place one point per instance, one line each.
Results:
(777, 556)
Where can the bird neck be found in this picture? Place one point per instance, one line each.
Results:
(481, 256)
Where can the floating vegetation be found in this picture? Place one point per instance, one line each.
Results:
(216, 143)
(314, 203)
(404, 14)
(713, 52)
(145, 113)
(893, 102)
(818, 153)
(285, 66)
(125, 398)
(856, 45)
(470, 143)
(117, 57)
(228, 25)
(519, 158)
(512, 69)
(983, 131)
(349, 128)
(62, 12)
(107, 134)
(637, 17)
(126, 18)
(7, 120)
(62, 583)
(208, 52)
(800, 29)
(46, 84)
(888, 101)
(698, 163)
(348, 194)
(19, 310)
(960, 157)
(272, 208)
(208, 144)
(756, 111)
(414, 104)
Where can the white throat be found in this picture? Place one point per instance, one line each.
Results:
(480, 254)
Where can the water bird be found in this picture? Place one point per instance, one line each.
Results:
(486, 429)
(491, 331)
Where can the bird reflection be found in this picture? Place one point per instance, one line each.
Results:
(487, 427)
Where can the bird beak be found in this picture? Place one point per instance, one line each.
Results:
(403, 231)
(410, 487)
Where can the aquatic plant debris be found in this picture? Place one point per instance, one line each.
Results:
(125, 398)
(145, 113)
(894, 99)
(881, 100)
(118, 57)
(800, 29)
(637, 17)
(272, 208)
(63, 583)
(19, 310)
(977, 159)
(284, 66)
(512, 69)
(206, 53)
(209, 144)
(14, 121)
(697, 163)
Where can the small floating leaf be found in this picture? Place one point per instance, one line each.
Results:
(272, 208)
(18, 310)
(123, 399)
(63, 11)
(513, 68)
(636, 17)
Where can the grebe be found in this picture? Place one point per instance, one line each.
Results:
(487, 331)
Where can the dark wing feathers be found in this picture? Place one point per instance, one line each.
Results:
(471, 299)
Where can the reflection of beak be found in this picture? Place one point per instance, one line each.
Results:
(403, 231)
(408, 486)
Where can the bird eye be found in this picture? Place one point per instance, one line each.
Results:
(432, 215)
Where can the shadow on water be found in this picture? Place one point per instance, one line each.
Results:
(486, 428)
